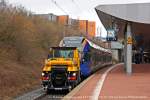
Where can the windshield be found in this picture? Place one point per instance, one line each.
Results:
(63, 53)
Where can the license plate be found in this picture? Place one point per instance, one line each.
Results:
(58, 88)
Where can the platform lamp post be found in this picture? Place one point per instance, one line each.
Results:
(128, 60)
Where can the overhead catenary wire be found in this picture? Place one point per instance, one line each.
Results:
(58, 6)
(91, 6)
(77, 2)
(74, 2)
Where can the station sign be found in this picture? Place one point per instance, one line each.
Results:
(111, 35)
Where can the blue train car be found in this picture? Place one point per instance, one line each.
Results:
(85, 61)
(90, 54)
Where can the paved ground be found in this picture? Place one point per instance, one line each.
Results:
(118, 85)
(86, 90)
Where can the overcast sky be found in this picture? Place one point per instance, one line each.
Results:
(81, 9)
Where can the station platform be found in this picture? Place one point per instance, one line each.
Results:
(119, 85)
(115, 84)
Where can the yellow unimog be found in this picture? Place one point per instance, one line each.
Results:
(62, 69)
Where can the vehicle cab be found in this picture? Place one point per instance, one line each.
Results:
(61, 69)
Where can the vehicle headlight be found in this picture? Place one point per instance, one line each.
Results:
(74, 74)
(43, 74)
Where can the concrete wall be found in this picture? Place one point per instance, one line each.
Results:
(115, 55)
(52, 17)
(91, 28)
(87, 27)
(63, 19)
(83, 26)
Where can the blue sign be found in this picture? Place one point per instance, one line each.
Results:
(111, 35)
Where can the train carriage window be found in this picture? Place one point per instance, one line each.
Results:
(87, 56)
(99, 57)
(105, 58)
(96, 58)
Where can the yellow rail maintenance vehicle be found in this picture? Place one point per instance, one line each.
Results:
(62, 69)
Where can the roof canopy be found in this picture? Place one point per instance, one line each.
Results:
(138, 14)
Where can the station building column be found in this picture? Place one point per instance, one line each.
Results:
(128, 49)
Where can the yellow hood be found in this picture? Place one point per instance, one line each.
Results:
(60, 61)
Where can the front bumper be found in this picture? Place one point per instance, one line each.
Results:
(59, 88)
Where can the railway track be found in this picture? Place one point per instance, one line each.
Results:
(55, 95)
